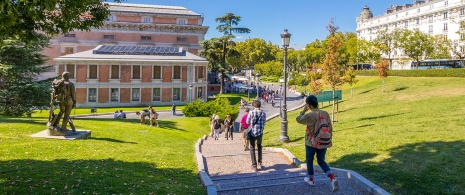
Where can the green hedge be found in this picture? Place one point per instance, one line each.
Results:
(220, 106)
(457, 72)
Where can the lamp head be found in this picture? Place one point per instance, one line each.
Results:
(286, 37)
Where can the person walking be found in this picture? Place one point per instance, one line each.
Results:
(173, 109)
(228, 123)
(212, 119)
(243, 126)
(257, 120)
(216, 127)
(310, 119)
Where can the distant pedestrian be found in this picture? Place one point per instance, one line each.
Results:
(143, 114)
(173, 109)
(121, 114)
(216, 127)
(212, 119)
(243, 126)
(153, 116)
(229, 127)
(310, 119)
(257, 120)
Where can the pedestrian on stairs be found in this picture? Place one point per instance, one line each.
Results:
(311, 149)
(257, 120)
(243, 126)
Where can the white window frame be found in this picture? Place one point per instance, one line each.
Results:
(161, 71)
(119, 71)
(88, 71)
(119, 93)
(180, 72)
(146, 19)
(66, 69)
(111, 18)
(96, 95)
(140, 72)
(180, 94)
(161, 94)
(182, 21)
(132, 94)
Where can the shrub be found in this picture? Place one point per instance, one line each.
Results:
(457, 72)
(219, 106)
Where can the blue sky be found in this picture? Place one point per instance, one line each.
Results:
(267, 19)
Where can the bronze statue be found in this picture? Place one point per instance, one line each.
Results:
(63, 93)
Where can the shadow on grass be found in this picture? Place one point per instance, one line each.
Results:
(111, 140)
(367, 91)
(162, 123)
(357, 127)
(36, 121)
(378, 117)
(102, 176)
(418, 168)
(400, 88)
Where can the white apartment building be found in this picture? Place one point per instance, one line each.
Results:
(435, 17)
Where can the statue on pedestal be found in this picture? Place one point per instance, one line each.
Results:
(63, 93)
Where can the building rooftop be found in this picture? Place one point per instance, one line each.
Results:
(132, 54)
(150, 9)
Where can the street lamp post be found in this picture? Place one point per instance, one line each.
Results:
(286, 37)
(190, 93)
(281, 98)
(305, 84)
(257, 76)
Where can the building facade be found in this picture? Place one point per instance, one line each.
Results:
(434, 17)
(114, 76)
(136, 25)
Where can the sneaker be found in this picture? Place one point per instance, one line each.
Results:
(335, 185)
(307, 179)
(260, 166)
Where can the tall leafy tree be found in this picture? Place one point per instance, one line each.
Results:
(387, 42)
(442, 47)
(20, 64)
(332, 70)
(349, 78)
(228, 26)
(416, 44)
(255, 51)
(25, 18)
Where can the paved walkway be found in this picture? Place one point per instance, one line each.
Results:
(229, 166)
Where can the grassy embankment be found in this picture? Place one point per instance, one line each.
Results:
(408, 140)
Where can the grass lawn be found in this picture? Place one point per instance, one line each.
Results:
(104, 110)
(122, 157)
(408, 140)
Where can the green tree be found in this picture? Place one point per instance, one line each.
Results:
(415, 44)
(383, 68)
(20, 64)
(254, 51)
(271, 68)
(349, 78)
(314, 52)
(315, 84)
(442, 47)
(332, 70)
(227, 26)
(25, 18)
(387, 43)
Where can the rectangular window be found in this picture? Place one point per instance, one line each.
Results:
(147, 19)
(445, 37)
(114, 95)
(430, 18)
(145, 38)
(70, 69)
(445, 15)
(445, 26)
(68, 50)
(136, 72)
(462, 11)
(114, 72)
(109, 36)
(92, 95)
(417, 21)
(110, 18)
(135, 94)
(156, 72)
(176, 72)
(418, 10)
(70, 35)
(156, 95)
(430, 30)
(92, 71)
(182, 21)
(181, 39)
(176, 94)
(200, 72)
(446, 3)
(406, 24)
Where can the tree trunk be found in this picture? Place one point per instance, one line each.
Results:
(222, 82)
(382, 88)
(351, 91)
(334, 106)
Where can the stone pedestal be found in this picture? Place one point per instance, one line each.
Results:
(67, 135)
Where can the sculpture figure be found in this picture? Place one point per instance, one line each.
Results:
(63, 93)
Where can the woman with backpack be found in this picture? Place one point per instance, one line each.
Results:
(216, 127)
(317, 139)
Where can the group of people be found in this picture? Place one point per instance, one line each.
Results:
(253, 123)
(119, 114)
(215, 127)
(151, 113)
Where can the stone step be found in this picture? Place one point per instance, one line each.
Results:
(265, 180)
(294, 186)
(288, 172)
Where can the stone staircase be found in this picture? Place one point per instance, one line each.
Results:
(229, 169)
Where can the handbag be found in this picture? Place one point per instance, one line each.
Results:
(248, 134)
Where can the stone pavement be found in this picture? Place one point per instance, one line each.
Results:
(225, 168)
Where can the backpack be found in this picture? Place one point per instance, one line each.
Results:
(216, 125)
(59, 90)
(322, 137)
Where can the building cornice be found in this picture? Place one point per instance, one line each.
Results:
(169, 28)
